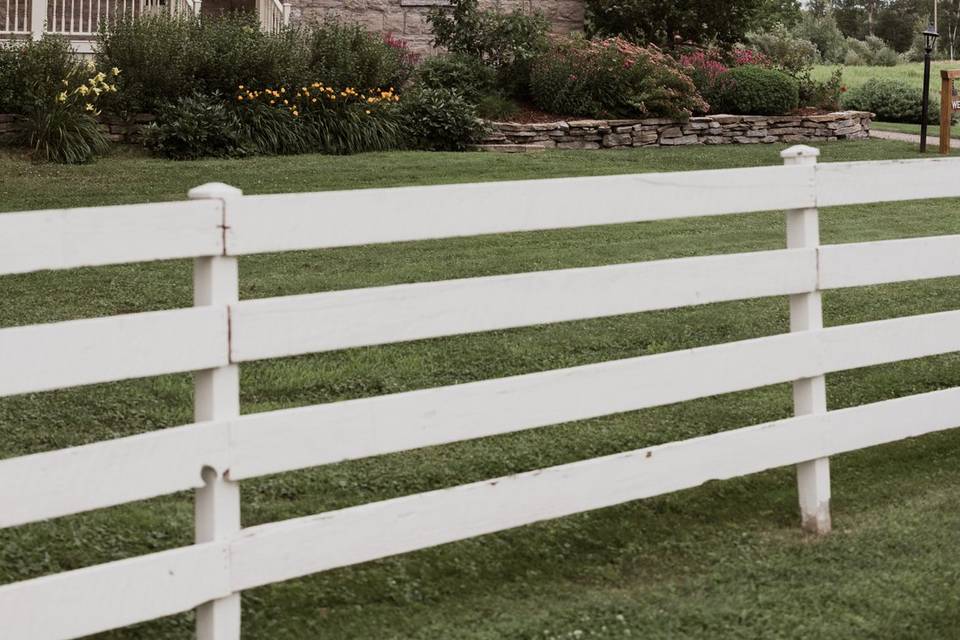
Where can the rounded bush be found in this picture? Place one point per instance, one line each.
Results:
(440, 120)
(892, 100)
(755, 90)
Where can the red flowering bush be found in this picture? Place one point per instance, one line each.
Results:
(610, 78)
(706, 68)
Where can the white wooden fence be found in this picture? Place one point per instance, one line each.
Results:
(221, 448)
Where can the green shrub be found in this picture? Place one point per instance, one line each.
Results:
(870, 51)
(56, 99)
(8, 78)
(508, 42)
(468, 76)
(440, 120)
(790, 53)
(752, 90)
(346, 55)
(497, 107)
(157, 56)
(657, 21)
(610, 78)
(195, 126)
(823, 32)
(892, 100)
(821, 94)
(318, 119)
(166, 57)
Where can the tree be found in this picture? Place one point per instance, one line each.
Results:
(661, 21)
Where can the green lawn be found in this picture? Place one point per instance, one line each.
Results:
(911, 72)
(932, 130)
(726, 560)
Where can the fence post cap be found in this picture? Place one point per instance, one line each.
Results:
(800, 151)
(214, 190)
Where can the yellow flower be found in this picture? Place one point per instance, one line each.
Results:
(114, 71)
(285, 102)
(240, 86)
(295, 112)
(367, 110)
(82, 90)
(239, 97)
(88, 107)
(62, 97)
(313, 100)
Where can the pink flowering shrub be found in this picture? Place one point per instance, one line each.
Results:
(611, 78)
(741, 57)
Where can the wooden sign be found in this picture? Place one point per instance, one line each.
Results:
(949, 102)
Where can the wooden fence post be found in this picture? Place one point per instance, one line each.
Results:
(216, 397)
(809, 394)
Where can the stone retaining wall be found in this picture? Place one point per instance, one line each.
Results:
(116, 129)
(650, 132)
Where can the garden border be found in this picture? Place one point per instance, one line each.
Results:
(650, 132)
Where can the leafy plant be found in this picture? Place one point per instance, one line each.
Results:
(55, 98)
(755, 90)
(346, 55)
(661, 23)
(508, 42)
(608, 78)
(195, 126)
(440, 120)
(787, 51)
(892, 100)
(467, 75)
(497, 106)
(319, 118)
(821, 94)
(870, 51)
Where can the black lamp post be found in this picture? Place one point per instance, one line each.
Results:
(930, 36)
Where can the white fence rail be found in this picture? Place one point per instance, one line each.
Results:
(222, 448)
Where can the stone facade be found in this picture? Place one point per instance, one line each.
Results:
(406, 19)
(649, 132)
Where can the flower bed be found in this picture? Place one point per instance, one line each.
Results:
(647, 132)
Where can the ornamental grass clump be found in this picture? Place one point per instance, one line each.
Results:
(57, 101)
(612, 78)
(319, 118)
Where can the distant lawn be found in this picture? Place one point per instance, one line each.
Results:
(932, 130)
(723, 561)
(911, 72)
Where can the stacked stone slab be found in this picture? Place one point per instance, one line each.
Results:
(125, 130)
(650, 132)
(6, 127)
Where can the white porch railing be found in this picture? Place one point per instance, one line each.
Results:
(222, 448)
(82, 18)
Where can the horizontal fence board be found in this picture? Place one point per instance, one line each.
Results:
(65, 354)
(107, 596)
(871, 343)
(285, 550)
(296, 438)
(109, 235)
(277, 441)
(112, 472)
(341, 319)
(840, 183)
(868, 263)
(285, 222)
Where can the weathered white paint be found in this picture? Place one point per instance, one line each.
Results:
(91, 236)
(809, 394)
(107, 596)
(216, 283)
(103, 474)
(292, 325)
(342, 218)
(327, 433)
(285, 550)
(76, 352)
(867, 263)
(840, 183)
(223, 447)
